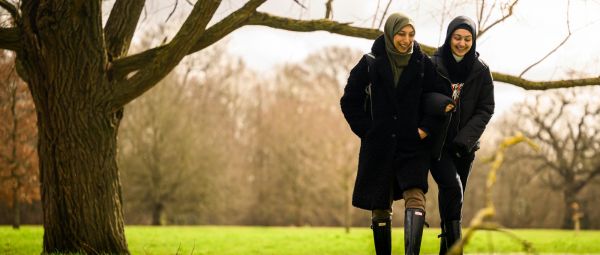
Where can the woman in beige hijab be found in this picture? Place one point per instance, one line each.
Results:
(382, 104)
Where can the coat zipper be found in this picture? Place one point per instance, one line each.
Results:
(450, 120)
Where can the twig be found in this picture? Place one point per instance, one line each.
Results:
(555, 48)
(504, 17)
(173, 11)
(384, 13)
(375, 15)
(488, 15)
(301, 5)
(328, 10)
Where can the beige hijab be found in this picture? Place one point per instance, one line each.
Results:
(398, 61)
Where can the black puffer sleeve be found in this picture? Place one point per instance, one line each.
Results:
(468, 136)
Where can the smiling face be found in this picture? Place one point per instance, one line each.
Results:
(403, 40)
(461, 42)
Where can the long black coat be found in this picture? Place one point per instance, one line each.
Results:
(390, 135)
(475, 106)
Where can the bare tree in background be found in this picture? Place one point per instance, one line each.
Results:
(174, 144)
(18, 163)
(565, 125)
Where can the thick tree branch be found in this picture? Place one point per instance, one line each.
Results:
(10, 8)
(9, 39)
(121, 25)
(589, 178)
(544, 85)
(244, 16)
(264, 19)
(190, 32)
(237, 19)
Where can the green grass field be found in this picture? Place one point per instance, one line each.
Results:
(304, 240)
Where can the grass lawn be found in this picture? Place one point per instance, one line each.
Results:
(304, 240)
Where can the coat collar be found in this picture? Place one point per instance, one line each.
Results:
(384, 70)
(478, 66)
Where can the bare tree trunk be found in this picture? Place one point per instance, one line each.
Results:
(16, 208)
(348, 204)
(157, 213)
(569, 199)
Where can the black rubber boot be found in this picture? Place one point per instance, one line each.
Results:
(442, 237)
(382, 235)
(452, 233)
(414, 219)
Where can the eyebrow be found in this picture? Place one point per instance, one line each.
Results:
(461, 36)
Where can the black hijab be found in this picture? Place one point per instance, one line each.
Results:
(459, 71)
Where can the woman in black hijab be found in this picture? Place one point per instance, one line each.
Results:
(463, 76)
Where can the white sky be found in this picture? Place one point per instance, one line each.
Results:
(536, 27)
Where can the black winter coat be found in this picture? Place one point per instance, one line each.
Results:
(475, 106)
(391, 132)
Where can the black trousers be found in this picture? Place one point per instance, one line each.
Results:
(451, 174)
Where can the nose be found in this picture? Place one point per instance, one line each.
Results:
(404, 39)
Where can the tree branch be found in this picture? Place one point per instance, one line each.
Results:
(555, 48)
(485, 20)
(544, 85)
(191, 31)
(247, 16)
(121, 25)
(578, 140)
(9, 39)
(387, 7)
(264, 19)
(504, 17)
(328, 10)
(172, 11)
(11, 9)
(375, 15)
(589, 178)
(235, 20)
(301, 5)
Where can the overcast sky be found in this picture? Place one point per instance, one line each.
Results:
(536, 27)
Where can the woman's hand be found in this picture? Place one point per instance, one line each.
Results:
(449, 107)
(422, 133)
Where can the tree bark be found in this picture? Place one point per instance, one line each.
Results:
(157, 213)
(16, 208)
(65, 61)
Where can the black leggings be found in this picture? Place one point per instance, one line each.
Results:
(451, 174)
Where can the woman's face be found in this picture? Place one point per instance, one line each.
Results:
(403, 40)
(461, 42)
